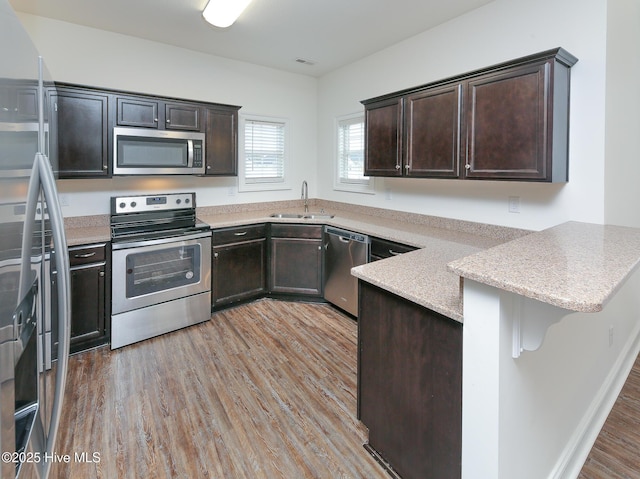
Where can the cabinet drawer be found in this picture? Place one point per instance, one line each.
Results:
(237, 234)
(87, 254)
(296, 231)
(381, 249)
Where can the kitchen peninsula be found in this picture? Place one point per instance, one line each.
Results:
(535, 388)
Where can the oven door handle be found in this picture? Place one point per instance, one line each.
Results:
(173, 239)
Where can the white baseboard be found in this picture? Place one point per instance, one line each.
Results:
(575, 453)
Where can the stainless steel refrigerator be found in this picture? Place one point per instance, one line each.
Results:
(34, 264)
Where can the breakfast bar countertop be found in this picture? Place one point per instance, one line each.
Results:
(575, 266)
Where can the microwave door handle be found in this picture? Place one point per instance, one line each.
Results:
(190, 153)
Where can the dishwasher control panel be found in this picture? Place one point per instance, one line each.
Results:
(347, 234)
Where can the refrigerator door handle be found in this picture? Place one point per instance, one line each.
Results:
(64, 297)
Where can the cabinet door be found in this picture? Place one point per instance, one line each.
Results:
(27, 104)
(383, 138)
(508, 130)
(19, 102)
(221, 129)
(296, 266)
(180, 116)
(87, 304)
(137, 112)
(238, 271)
(410, 385)
(432, 121)
(90, 298)
(80, 134)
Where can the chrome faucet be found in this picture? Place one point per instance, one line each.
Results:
(305, 195)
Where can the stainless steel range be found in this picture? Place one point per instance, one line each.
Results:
(161, 257)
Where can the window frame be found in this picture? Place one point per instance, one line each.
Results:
(367, 185)
(266, 185)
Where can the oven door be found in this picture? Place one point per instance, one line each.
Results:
(156, 271)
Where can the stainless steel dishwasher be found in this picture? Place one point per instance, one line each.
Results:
(344, 250)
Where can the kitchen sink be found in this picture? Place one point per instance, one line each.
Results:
(306, 216)
(318, 216)
(286, 215)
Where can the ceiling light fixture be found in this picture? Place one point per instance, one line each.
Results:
(222, 13)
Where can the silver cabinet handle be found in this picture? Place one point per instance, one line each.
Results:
(398, 167)
(215, 255)
(86, 255)
(240, 233)
(394, 253)
(467, 166)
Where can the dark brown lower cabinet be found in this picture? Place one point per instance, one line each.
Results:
(296, 260)
(410, 385)
(238, 264)
(89, 296)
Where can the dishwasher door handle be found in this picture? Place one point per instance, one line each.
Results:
(344, 240)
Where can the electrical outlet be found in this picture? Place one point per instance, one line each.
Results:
(514, 204)
(64, 200)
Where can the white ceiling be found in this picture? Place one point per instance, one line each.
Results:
(273, 33)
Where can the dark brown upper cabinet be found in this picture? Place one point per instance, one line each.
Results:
(79, 133)
(18, 101)
(505, 122)
(156, 113)
(82, 121)
(221, 129)
(383, 138)
(432, 123)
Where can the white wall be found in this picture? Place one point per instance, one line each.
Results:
(497, 32)
(537, 416)
(622, 175)
(93, 57)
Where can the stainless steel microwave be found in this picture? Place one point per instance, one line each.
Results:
(142, 151)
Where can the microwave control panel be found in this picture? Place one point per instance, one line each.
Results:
(197, 154)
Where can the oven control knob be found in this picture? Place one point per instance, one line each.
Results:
(133, 204)
(187, 201)
(178, 201)
(123, 204)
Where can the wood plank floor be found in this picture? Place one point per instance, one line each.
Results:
(266, 390)
(616, 452)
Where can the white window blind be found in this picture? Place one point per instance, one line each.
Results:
(351, 151)
(264, 148)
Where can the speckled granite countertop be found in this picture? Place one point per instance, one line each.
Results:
(420, 276)
(576, 266)
(84, 230)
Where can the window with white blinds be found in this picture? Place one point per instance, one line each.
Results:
(264, 151)
(350, 161)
